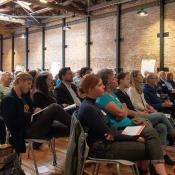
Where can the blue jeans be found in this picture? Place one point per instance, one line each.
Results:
(161, 123)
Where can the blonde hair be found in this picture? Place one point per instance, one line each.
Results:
(24, 76)
(134, 82)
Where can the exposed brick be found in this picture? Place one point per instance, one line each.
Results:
(139, 34)
(7, 55)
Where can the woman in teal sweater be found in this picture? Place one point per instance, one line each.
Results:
(114, 109)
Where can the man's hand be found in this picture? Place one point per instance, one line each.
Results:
(167, 104)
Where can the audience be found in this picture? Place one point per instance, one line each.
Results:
(18, 115)
(6, 79)
(34, 75)
(163, 86)
(170, 80)
(43, 96)
(104, 142)
(116, 112)
(77, 78)
(83, 71)
(66, 93)
(153, 99)
(158, 120)
(110, 104)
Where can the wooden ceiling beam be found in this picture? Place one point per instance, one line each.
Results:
(57, 6)
(6, 31)
(108, 4)
(2, 2)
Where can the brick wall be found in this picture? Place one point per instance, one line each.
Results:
(139, 41)
(35, 50)
(103, 47)
(53, 53)
(76, 46)
(170, 41)
(7, 45)
(19, 57)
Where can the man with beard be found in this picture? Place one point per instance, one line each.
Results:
(66, 93)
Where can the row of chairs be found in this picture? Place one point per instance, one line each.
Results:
(77, 153)
(75, 163)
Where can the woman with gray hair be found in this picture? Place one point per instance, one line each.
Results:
(116, 112)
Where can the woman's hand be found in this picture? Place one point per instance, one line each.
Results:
(125, 109)
(141, 113)
(109, 137)
(141, 139)
(37, 110)
(150, 109)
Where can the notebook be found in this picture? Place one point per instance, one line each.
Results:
(65, 108)
(133, 130)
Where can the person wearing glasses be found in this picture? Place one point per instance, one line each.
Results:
(153, 98)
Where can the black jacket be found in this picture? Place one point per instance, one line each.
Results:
(42, 100)
(63, 95)
(16, 114)
(162, 87)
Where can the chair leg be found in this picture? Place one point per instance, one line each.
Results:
(94, 169)
(28, 151)
(97, 169)
(118, 168)
(135, 169)
(33, 156)
(20, 158)
(52, 145)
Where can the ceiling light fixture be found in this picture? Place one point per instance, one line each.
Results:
(66, 27)
(142, 12)
(23, 36)
(43, 1)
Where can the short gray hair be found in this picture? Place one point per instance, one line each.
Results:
(104, 75)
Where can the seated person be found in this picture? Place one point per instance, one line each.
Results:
(116, 112)
(163, 87)
(6, 79)
(170, 79)
(42, 96)
(104, 142)
(66, 93)
(83, 71)
(17, 116)
(158, 120)
(153, 99)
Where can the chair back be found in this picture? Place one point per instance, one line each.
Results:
(77, 151)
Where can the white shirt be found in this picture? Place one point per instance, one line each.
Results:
(72, 93)
(137, 99)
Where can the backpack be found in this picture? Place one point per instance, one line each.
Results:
(9, 161)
